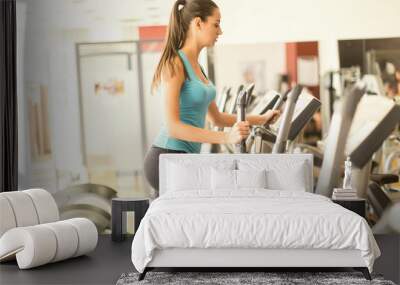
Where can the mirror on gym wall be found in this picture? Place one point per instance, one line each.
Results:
(380, 57)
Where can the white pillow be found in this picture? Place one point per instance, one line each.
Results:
(293, 180)
(183, 178)
(184, 175)
(251, 178)
(281, 174)
(223, 179)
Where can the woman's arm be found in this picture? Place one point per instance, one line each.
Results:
(172, 84)
(221, 119)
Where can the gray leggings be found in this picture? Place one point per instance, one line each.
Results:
(151, 165)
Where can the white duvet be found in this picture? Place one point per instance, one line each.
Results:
(250, 219)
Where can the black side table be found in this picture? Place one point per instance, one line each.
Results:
(119, 207)
(358, 205)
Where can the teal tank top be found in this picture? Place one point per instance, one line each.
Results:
(194, 99)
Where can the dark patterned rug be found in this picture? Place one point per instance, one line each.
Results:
(231, 278)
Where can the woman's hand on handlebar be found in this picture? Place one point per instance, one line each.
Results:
(271, 116)
(239, 132)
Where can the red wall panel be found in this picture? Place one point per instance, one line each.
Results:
(155, 33)
(295, 50)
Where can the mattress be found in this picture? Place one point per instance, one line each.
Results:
(251, 219)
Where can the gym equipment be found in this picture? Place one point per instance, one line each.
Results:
(89, 200)
(261, 138)
(271, 100)
(336, 140)
(286, 125)
(333, 84)
(233, 100)
(368, 132)
(224, 97)
(241, 103)
(241, 116)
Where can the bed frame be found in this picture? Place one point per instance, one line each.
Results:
(242, 258)
(256, 258)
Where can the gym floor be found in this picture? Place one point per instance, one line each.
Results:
(110, 259)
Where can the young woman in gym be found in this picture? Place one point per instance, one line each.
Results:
(188, 93)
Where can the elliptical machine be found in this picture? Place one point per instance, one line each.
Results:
(263, 138)
(284, 127)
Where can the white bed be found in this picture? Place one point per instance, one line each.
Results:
(194, 223)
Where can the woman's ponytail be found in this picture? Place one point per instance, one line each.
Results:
(182, 14)
(177, 29)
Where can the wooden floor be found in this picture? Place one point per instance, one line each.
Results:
(110, 259)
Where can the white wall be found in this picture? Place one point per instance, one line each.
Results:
(307, 20)
(230, 58)
(261, 21)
